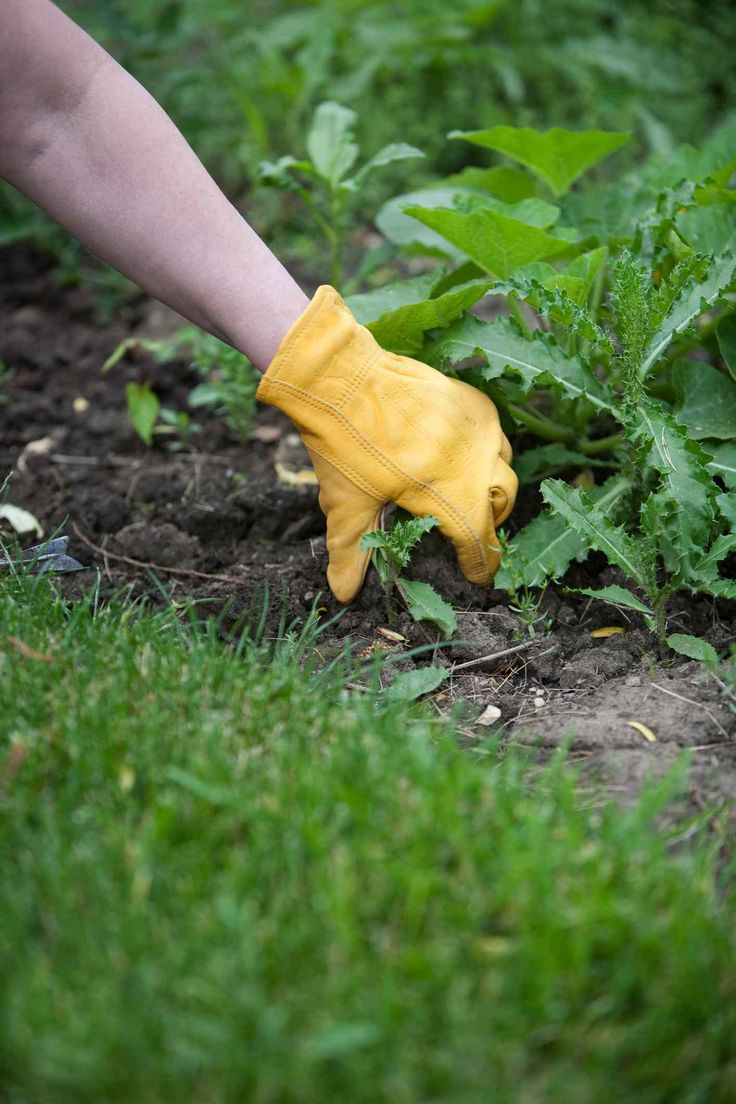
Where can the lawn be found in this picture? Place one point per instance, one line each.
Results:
(227, 877)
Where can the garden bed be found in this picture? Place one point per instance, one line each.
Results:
(212, 520)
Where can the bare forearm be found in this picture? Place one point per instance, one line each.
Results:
(98, 154)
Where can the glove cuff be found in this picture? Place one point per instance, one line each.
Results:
(326, 352)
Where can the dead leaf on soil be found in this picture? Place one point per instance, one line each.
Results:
(40, 447)
(302, 478)
(608, 630)
(389, 634)
(489, 716)
(23, 521)
(29, 653)
(645, 731)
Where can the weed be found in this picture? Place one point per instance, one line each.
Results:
(323, 183)
(230, 384)
(602, 379)
(391, 552)
(525, 600)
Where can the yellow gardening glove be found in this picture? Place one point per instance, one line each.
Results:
(384, 428)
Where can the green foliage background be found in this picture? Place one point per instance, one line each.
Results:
(242, 82)
(242, 79)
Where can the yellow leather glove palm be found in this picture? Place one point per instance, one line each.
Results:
(385, 428)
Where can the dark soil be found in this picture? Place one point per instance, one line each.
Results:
(215, 523)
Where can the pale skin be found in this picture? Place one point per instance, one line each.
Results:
(86, 142)
(89, 145)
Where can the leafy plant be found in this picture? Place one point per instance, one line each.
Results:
(593, 356)
(143, 408)
(391, 552)
(323, 180)
(229, 381)
(526, 599)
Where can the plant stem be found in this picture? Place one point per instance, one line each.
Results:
(543, 427)
(660, 619)
(336, 238)
(602, 444)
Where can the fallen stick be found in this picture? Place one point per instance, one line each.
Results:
(495, 655)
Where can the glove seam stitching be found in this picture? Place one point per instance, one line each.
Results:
(355, 433)
(356, 478)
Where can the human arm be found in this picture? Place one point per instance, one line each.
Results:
(86, 142)
(91, 147)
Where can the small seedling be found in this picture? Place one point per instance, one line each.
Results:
(391, 553)
(143, 408)
(526, 600)
(322, 182)
(229, 383)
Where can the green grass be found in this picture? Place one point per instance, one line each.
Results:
(226, 878)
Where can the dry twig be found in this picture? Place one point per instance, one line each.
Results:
(185, 571)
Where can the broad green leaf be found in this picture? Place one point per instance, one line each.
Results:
(713, 157)
(538, 362)
(403, 330)
(143, 408)
(557, 156)
(329, 141)
(727, 506)
(395, 151)
(681, 512)
(706, 400)
(694, 299)
(425, 604)
(618, 596)
(710, 229)
(726, 334)
(399, 228)
(371, 305)
(499, 244)
(399, 314)
(592, 523)
(694, 648)
(532, 212)
(504, 181)
(584, 268)
(723, 463)
(546, 547)
(410, 685)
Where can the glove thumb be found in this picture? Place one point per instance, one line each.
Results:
(350, 512)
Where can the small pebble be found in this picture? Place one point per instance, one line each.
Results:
(489, 716)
